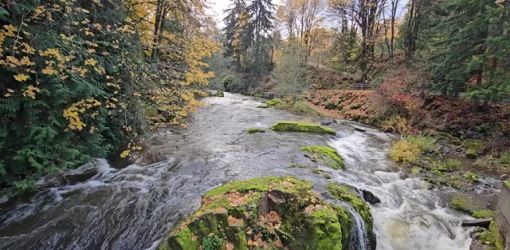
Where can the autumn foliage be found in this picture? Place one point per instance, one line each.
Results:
(76, 83)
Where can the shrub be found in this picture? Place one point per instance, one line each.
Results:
(405, 152)
(398, 124)
(424, 143)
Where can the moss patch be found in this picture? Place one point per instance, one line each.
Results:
(467, 205)
(493, 237)
(483, 214)
(326, 155)
(275, 102)
(255, 130)
(344, 193)
(507, 183)
(302, 127)
(263, 213)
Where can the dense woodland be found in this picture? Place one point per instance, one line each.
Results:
(84, 79)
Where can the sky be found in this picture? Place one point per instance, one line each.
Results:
(216, 8)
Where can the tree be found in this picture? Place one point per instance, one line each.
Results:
(301, 19)
(468, 49)
(365, 14)
(236, 40)
(389, 35)
(291, 73)
(260, 27)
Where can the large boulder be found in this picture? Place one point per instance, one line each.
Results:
(264, 213)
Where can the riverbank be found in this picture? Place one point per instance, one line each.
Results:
(467, 165)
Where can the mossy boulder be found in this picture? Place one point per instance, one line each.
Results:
(347, 194)
(466, 204)
(263, 213)
(325, 154)
(302, 127)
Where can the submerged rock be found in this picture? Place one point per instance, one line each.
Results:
(264, 213)
(302, 127)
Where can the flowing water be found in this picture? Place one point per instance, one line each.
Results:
(134, 207)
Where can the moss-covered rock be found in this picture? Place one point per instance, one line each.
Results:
(263, 213)
(507, 183)
(346, 194)
(325, 154)
(255, 130)
(302, 127)
(468, 205)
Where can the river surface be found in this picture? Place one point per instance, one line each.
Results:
(136, 206)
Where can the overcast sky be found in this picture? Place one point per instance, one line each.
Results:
(216, 8)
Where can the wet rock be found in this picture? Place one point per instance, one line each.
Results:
(68, 178)
(264, 213)
(477, 223)
(360, 130)
(327, 122)
(370, 197)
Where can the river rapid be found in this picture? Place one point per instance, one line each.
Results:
(136, 206)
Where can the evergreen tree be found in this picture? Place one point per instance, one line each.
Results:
(468, 48)
(261, 16)
(236, 39)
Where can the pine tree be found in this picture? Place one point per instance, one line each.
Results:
(261, 16)
(235, 37)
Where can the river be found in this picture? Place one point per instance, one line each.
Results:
(134, 207)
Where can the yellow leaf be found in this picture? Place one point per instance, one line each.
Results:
(21, 77)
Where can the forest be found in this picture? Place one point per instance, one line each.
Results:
(423, 85)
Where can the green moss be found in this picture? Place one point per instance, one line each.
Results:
(493, 237)
(255, 130)
(507, 183)
(474, 148)
(483, 214)
(344, 193)
(327, 230)
(302, 127)
(263, 184)
(466, 204)
(183, 239)
(325, 154)
(296, 218)
(274, 102)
